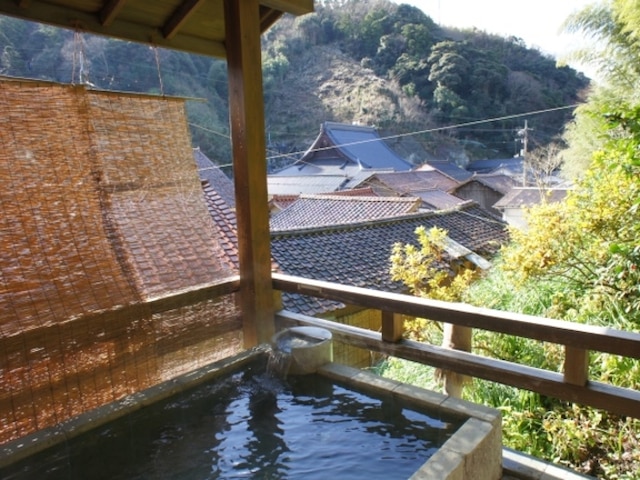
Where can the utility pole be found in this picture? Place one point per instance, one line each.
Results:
(524, 134)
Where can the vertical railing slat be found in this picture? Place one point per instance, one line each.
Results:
(392, 326)
(576, 366)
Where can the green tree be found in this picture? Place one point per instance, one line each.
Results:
(615, 53)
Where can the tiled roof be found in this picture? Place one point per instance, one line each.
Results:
(438, 200)
(358, 180)
(328, 210)
(225, 221)
(346, 149)
(280, 202)
(356, 192)
(526, 197)
(448, 168)
(324, 166)
(499, 182)
(513, 164)
(358, 254)
(400, 183)
(364, 146)
(217, 179)
(304, 184)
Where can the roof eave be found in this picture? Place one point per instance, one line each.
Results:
(79, 16)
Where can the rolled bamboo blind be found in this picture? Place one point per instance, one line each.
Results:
(102, 210)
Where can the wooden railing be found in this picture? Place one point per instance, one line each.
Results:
(578, 339)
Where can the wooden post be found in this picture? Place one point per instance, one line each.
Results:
(455, 337)
(246, 112)
(576, 366)
(392, 326)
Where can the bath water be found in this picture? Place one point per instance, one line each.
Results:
(251, 425)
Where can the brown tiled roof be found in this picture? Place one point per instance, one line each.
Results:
(328, 210)
(225, 220)
(358, 254)
(401, 183)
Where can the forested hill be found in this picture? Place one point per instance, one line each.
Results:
(372, 62)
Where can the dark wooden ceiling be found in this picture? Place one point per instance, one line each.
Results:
(195, 26)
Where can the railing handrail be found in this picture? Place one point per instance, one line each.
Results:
(214, 289)
(577, 339)
(589, 337)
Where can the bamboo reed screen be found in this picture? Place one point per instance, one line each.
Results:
(102, 211)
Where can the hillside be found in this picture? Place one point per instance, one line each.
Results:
(325, 84)
(371, 62)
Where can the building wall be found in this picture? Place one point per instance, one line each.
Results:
(484, 196)
(515, 217)
(354, 356)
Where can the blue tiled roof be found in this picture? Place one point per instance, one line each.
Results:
(364, 146)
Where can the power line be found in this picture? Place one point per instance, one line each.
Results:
(400, 135)
(432, 130)
(224, 135)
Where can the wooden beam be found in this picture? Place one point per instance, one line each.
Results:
(622, 401)
(268, 17)
(589, 337)
(246, 112)
(110, 11)
(179, 17)
(295, 7)
(59, 16)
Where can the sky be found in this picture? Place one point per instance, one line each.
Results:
(537, 22)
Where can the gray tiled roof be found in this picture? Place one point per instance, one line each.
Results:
(358, 254)
(210, 172)
(356, 192)
(328, 210)
(355, 254)
(448, 168)
(359, 179)
(438, 200)
(400, 183)
(487, 166)
(304, 184)
(327, 166)
(527, 197)
(499, 182)
(363, 145)
(346, 149)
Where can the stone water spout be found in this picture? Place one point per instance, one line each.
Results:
(303, 349)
